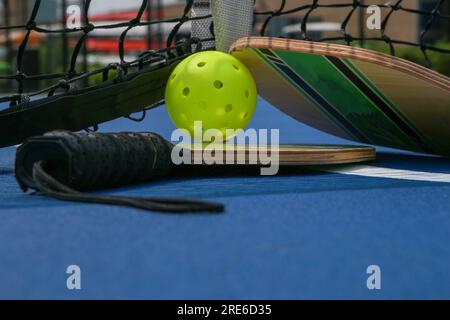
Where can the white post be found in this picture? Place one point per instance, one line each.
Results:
(233, 19)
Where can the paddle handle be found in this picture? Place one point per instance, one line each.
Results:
(60, 164)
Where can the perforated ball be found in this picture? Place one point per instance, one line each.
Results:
(212, 87)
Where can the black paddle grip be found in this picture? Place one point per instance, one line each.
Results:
(93, 161)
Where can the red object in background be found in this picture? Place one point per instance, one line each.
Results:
(16, 38)
(124, 15)
(109, 45)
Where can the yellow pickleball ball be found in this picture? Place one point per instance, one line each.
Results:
(212, 87)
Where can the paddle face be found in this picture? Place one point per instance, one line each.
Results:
(286, 155)
(353, 93)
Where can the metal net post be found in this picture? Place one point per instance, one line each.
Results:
(233, 19)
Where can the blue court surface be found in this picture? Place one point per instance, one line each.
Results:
(307, 235)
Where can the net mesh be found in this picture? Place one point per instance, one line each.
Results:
(202, 28)
(48, 58)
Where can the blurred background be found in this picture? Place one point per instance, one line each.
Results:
(51, 52)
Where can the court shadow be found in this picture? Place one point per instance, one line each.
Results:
(212, 182)
(209, 182)
(5, 171)
(414, 161)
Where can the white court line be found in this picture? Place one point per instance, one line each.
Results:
(380, 172)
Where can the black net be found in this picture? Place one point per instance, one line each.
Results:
(42, 58)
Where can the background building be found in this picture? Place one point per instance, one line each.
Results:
(49, 53)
